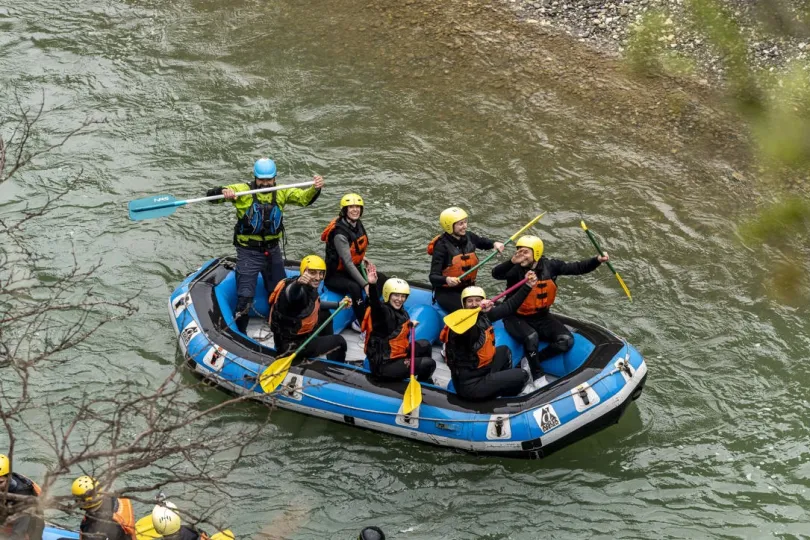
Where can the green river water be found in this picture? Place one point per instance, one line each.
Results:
(194, 91)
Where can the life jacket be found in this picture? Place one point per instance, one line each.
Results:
(462, 259)
(540, 297)
(392, 346)
(482, 353)
(289, 326)
(260, 219)
(22, 485)
(96, 524)
(358, 243)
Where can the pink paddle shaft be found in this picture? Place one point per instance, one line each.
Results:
(413, 348)
(510, 289)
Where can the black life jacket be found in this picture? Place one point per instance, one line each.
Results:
(358, 243)
(464, 357)
(292, 328)
(380, 347)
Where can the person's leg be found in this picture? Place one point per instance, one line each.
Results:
(342, 283)
(425, 366)
(520, 329)
(248, 265)
(273, 269)
(508, 382)
(392, 370)
(550, 329)
(423, 348)
(502, 359)
(324, 314)
(449, 299)
(333, 347)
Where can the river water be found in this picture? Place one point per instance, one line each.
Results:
(193, 91)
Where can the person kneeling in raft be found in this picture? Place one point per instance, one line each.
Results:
(533, 321)
(479, 369)
(346, 244)
(453, 254)
(388, 326)
(296, 311)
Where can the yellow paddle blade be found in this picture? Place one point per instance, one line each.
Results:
(144, 530)
(626, 290)
(275, 373)
(529, 224)
(462, 320)
(582, 224)
(223, 535)
(413, 396)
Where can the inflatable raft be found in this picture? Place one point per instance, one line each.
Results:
(585, 390)
(55, 533)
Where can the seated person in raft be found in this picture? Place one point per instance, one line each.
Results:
(296, 311)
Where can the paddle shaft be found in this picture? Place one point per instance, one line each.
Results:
(413, 348)
(510, 289)
(495, 252)
(598, 249)
(215, 197)
(318, 330)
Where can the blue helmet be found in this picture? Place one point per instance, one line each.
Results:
(264, 168)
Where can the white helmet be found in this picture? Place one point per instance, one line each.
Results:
(165, 520)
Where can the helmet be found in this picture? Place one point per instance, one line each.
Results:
(395, 286)
(86, 491)
(5, 465)
(165, 520)
(472, 291)
(371, 533)
(450, 216)
(312, 262)
(351, 199)
(531, 242)
(264, 168)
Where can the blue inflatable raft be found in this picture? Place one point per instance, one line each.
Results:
(585, 390)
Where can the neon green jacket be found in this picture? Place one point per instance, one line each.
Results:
(301, 197)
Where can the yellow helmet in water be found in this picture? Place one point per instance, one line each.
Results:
(87, 492)
(450, 217)
(351, 199)
(165, 520)
(395, 286)
(5, 465)
(532, 242)
(312, 262)
(472, 291)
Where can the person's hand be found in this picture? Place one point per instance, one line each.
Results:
(603, 257)
(499, 246)
(452, 281)
(531, 280)
(318, 179)
(229, 194)
(372, 276)
(346, 300)
(518, 258)
(304, 279)
(486, 305)
(414, 323)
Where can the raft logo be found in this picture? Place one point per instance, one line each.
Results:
(215, 358)
(188, 334)
(547, 418)
(180, 303)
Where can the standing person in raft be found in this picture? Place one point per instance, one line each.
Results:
(480, 369)
(296, 311)
(453, 254)
(346, 262)
(388, 332)
(533, 321)
(258, 230)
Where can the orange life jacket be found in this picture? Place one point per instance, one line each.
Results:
(37, 489)
(540, 297)
(461, 261)
(484, 348)
(301, 325)
(358, 243)
(397, 340)
(125, 517)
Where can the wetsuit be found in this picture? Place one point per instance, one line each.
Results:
(452, 257)
(533, 322)
(113, 520)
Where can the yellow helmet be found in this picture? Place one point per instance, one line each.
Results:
(312, 262)
(5, 465)
(351, 199)
(165, 520)
(87, 492)
(450, 217)
(395, 286)
(472, 291)
(532, 242)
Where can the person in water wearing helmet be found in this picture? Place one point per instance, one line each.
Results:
(258, 230)
(296, 311)
(167, 523)
(453, 254)
(26, 525)
(480, 369)
(533, 322)
(346, 261)
(105, 518)
(387, 327)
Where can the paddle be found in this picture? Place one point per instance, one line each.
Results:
(462, 320)
(599, 250)
(145, 530)
(165, 205)
(275, 372)
(495, 252)
(413, 394)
